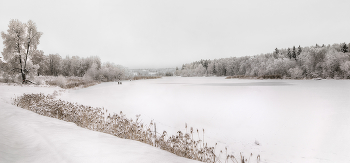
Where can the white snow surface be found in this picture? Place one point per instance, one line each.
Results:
(28, 137)
(293, 120)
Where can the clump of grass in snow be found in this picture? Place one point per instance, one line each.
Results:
(257, 142)
(117, 124)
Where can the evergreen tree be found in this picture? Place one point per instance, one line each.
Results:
(183, 67)
(317, 46)
(289, 54)
(344, 48)
(206, 64)
(214, 69)
(294, 55)
(275, 53)
(299, 50)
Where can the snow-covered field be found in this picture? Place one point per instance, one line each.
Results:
(28, 137)
(293, 120)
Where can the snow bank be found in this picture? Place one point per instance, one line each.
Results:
(29, 137)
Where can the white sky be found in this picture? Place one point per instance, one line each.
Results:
(162, 33)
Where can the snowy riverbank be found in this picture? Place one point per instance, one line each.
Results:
(29, 137)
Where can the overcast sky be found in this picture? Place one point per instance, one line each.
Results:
(162, 33)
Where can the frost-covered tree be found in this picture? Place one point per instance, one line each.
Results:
(345, 67)
(66, 65)
(199, 70)
(20, 42)
(54, 64)
(40, 59)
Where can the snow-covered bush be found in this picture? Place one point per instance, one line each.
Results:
(59, 81)
(39, 81)
(296, 73)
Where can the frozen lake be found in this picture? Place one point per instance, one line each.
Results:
(293, 120)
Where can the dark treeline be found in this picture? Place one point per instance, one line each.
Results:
(332, 61)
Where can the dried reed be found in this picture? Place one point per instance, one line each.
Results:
(117, 124)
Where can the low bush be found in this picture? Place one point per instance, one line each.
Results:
(65, 82)
(58, 81)
(240, 77)
(145, 77)
(39, 81)
(80, 82)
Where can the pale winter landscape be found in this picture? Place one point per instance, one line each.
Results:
(175, 81)
(293, 120)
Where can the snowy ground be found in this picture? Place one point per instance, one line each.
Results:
(29, 137)
(293, 120)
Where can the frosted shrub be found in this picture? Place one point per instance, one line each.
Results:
(91, 73)
(9, 78)
(6, 78)
(61, 81)
(88, 78)
(68, 82)
(39, 81)
(296, 73)
(17, 78)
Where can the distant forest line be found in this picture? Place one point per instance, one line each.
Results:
(331, 61)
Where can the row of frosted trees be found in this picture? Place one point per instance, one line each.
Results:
(55, 65)
(21, 58)
(332, 61)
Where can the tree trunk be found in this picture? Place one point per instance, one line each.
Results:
(23, 77)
